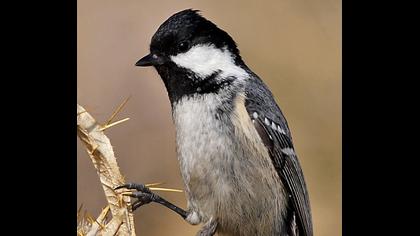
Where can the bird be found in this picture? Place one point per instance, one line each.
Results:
(240, 169)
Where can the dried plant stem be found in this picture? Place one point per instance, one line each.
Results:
(102, 155)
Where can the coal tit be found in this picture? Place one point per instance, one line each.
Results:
(235, 150)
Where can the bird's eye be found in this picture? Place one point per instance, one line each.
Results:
(183, 46)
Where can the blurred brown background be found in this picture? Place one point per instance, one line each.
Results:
(295, 47)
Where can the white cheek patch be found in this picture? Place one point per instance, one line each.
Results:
(204, 60)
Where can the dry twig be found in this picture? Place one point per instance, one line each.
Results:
(102, 155)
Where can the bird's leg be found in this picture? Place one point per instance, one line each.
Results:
(145, 196)
(209, 229)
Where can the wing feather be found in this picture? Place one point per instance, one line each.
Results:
(276, 137)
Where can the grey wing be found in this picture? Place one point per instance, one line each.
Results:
(274, 132)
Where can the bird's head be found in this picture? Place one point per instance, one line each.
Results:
(192, 55)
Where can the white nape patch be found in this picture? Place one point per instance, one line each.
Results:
(288, 151)
(204, 60)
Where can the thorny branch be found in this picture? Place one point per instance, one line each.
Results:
(100, 151)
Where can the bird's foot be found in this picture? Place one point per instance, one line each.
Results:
(143, 194)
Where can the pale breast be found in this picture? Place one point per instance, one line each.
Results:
(201, 137)
(227, 172)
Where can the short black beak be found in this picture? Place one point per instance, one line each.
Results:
(150, 60)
